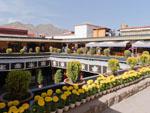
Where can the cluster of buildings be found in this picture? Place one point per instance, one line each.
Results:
(83, 34)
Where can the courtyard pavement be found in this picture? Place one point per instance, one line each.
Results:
(138, 103)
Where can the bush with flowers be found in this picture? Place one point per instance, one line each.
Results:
(60, 98)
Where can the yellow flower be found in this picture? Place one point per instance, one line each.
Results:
(49, 92)
(63, 97)
(76, 86)
(70, 88)
(21, 109)
(74, 92)
(44, 94)
(13, 109)
(67, 93)
(36, 97)
(2, 105)
(26, 106)
(89, 82)
(58, 91)
(41, 102)
(64, 87)
(55, 99)
(16, 102)
(48, 99)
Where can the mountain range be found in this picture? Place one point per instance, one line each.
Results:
(46, 29)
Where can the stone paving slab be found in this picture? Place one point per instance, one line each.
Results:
(98, 105)
(138, 103)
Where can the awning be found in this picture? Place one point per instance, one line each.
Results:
(107, 44)
(92, 44)
(143, 44)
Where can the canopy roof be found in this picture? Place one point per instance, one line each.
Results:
(143, 44)
(107, 44)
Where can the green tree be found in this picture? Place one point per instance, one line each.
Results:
(58, 76)
(113, 65)
(17, 84)
(73, 70)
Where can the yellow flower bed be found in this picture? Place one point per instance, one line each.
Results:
(51, 100)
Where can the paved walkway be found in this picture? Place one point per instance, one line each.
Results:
(138, 103)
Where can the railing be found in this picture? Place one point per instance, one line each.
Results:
(90, 63)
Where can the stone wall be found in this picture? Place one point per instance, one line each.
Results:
(100, 103)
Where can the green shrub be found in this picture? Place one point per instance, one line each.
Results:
(80, 51)
(144, 59)
(132, 62)
(107, 52)
(73, 70)
(54, 50)
(58, 50)
(22, 51)
(30, 50)
(68, 51)
(17, 84)
(9, 50)
(85, 50)
(92, 51)
(58, 76)
(127, 53)
(39, 77)
(146, 52)
(113, 65)
(37, 50)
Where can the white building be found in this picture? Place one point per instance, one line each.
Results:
(80, 31)
(125, 30)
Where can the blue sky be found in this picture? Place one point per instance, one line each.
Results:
(67, 13)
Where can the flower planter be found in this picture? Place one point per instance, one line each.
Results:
(66, 108)
(78, 103)
(59, 110)
(96, 95)
(83, 101)
(53, 112)
(92, 97)
(100, 93)
(109, 90)
(67, 81)
(40, 86)
(104, 92)
(72, 105)
(21, 101)
(88, 98)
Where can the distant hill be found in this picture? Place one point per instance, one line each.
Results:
(47, 29)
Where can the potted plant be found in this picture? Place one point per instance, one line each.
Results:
(37, 50)
(91, 51)
(30, 50)
(85, 50)
(146, 52)
(17, 86)
(144, 59)
(73, 73)
(39, 78)
(61, 103)
(58, 50)
(58, 76)
(107, 52)
(132, 62)
(80, 51)
(68, 50)
(9, 50)
(127, 53)
(113, 65)
(22, 51)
